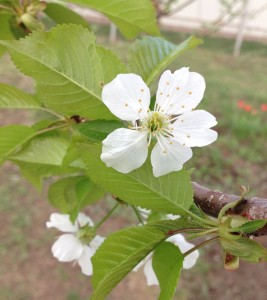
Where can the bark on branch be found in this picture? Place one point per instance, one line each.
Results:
(211, 202)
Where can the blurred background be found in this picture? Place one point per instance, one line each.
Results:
(233, 61)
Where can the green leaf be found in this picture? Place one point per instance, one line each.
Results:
(35, 173)
(63, 15)
(245, 249)
(123, 250)
(73, 193)
(12, 137)
(131, 17)
(251, 226)
(171, 193)
(97, 131)
(48, 150)
(119, 254)
(5, 32)
(150, 56)
(11, 97)
(167, 263)
(67, 68)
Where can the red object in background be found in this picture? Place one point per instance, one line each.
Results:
(241, 103)
(247, 107)
(264, 107)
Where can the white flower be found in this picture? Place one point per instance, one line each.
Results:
(189, 261)
(172, 123)
(70, 246)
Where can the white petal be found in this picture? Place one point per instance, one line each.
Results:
(127, 97)
(192, 128)
(168, 156)
(67, 248)
(143, 262)
(180, 92)
(84, 220)
(125, 150)
(172, 217)
(184, 246)
(96, 242)
(61, 222)
(84, 261)
(150, 274)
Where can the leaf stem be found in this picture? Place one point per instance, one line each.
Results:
(107, 216)
(52, 112)
(137, 214)
(201, 245)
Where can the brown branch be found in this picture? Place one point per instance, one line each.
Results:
(211, 202)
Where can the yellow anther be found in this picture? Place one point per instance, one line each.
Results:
(164, 151)
(167, 82)
(183, 106)
(139, 100)
(188, 136)
(139, 110)
(126, 104)
(189, 93)
(160, 93)
(170, 142)
(142, 90)
(177, 88)
(168, 95)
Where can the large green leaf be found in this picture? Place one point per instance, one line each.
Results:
(12, 137)
(67, 68)
(167, 263)
(73, 193)
(49, 150)
(171, 193)
(63, 15)
(123, 250)
(131, 17)
(11, 97)
(150, 56)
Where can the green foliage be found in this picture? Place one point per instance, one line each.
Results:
(245, 249)
(48, 150)
(252, 226)
(71, 194)
(140, 187)
(11, 97)
(63, 15)
(167, 263)
(65, 62)
(97, 131)
(12, 137)
(150, 56)
(5, 32)
(131, 17)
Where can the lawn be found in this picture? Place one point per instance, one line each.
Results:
(236, 93)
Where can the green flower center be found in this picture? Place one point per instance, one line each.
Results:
(86, 234)
(156, 122)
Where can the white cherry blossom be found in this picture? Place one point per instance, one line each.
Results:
(179, 241)
(72, 246)
(173, 123)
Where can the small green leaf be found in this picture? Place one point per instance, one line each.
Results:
(245, 249)
(73, 193)
(48, 150)
(140, 187)
(97, 131)
(167, 263)
(11, 97)
(131, 17)
(252, 226)
(63, 15)
(150, 56)
(12, 137)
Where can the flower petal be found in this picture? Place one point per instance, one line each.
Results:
(180, 92)
(192, 128)
(96, 242)
(84, 220)
(84, 261)
(125, 150)
(61, 222)
(179, 240)
(168, 156)
(127, 97)
(150, 274)
(67, 248)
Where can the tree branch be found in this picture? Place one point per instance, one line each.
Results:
(211, 202)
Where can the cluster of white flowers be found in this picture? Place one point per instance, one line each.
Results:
(72, 246)
(174, 123)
